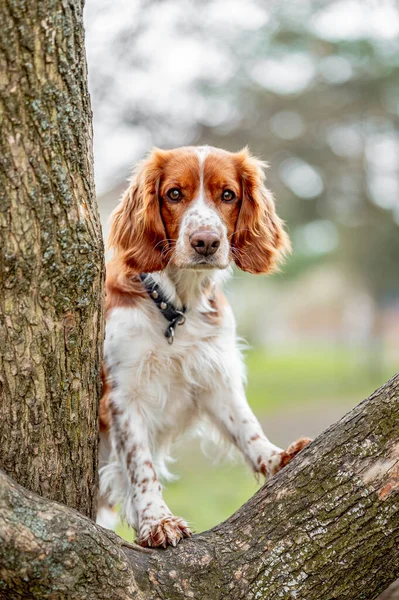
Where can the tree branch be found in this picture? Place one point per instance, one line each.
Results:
(326, 526)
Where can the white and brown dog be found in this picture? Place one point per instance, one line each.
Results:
(187, 215)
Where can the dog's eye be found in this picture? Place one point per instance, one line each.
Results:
(228, 196)
(174, 194)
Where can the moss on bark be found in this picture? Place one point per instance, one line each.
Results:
(51, 255)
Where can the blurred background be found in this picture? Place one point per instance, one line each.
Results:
(313, 88)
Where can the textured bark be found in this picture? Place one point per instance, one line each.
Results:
(326, 527)
(51, 259)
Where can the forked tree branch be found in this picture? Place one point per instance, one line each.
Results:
(325, 527)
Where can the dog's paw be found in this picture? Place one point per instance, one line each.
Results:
(279, 460)
(168, 531)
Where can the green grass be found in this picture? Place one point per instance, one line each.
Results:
(276, 381)
(315, 380)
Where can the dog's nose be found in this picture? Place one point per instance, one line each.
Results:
(205, 242)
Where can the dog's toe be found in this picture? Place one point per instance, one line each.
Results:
(287, 455)
(169, 531)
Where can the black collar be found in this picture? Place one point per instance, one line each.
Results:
(170, 312)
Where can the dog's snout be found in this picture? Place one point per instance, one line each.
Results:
(205, 242)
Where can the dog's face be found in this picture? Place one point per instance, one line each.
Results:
(198, 208)
(200, 195)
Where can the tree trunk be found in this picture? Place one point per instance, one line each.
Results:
(326, 527)
(51, 261)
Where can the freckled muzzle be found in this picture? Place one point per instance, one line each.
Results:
(202, 241)
(202, 245)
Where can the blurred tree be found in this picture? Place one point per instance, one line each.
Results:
(312, 87)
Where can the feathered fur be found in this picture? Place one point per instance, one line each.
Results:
(153, 391)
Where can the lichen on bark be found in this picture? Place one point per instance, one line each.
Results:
(51, 257)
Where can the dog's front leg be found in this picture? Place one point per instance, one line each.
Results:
(143, 505)
(228, 408)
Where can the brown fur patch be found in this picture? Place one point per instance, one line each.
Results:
(104, 416)
(259, 240)
(218, 302)
(123, 286)
(180, 171)
(292, 450)
(137, 231)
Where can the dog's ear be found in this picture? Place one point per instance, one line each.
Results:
(259, 240)
(137, 232)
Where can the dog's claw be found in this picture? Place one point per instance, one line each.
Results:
(293, 449)
(169, 530)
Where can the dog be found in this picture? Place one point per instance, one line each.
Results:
(171, 357)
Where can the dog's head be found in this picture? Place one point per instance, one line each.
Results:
(198, 208)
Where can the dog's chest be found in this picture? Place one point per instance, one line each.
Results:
(196, 359)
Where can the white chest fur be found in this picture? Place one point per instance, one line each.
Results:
(165, 380)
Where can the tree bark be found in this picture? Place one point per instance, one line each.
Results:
(51, 261)
(325, 527)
